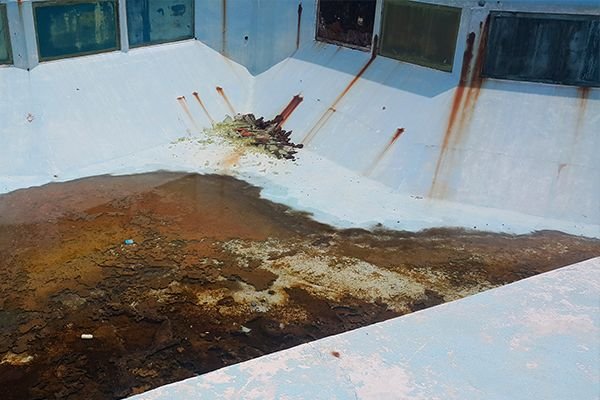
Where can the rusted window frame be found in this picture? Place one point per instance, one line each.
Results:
(4, 16)
(42, 3)
(337, 42)
(485, 73)
(414, 61)
(157, 42)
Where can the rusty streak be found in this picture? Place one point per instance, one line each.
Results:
(223, 27)
(298, 29)
(383, 152)
(183, 103)
(199, 100)
(463, 104)
(584, 93)
(288, 110)
(222, 93)
(332, 109)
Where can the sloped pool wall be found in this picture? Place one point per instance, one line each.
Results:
(518, 146)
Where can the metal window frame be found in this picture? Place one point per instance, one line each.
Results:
(157, 42)
(40, 4)
(412, 60)
(4, 16)
(338, 42)
(494, 14)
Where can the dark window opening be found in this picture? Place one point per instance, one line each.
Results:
(552, 48)
(346, 22)
(419, 33)
(159, 21)
(5, 51)
(68, 29)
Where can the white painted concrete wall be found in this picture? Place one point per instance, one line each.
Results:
(522, 147)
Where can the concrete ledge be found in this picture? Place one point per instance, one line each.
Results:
(535, 339)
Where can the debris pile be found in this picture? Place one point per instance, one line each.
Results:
(247, 130)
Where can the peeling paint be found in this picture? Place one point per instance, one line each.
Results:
(199, 100)
(288, 110)
(329, 112)
(299, 24)
(385, 150)
(183, 103)
(463, 106)
(224, 96)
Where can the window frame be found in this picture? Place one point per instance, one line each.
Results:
(4, 16)
(154, 43)
(40, 4)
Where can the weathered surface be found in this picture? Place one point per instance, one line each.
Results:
(516, 342)
(215, 276)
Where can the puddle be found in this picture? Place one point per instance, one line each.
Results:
(215, 276)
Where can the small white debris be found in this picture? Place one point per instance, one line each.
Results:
(87, 336)
(245, 330)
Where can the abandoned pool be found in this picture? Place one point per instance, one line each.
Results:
(374, 199)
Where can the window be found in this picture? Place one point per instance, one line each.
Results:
(419, 33)
(5, 52)
(72, 28)
(347, 22)
(552, 48)
(158, 21)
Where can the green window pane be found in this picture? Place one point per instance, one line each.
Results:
(419, 33)
(159, 21)
(551, 48)
(5, 54)
(67, 29)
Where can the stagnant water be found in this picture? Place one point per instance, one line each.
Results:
(215, 276)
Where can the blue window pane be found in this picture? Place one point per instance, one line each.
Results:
(5, 57)
(76, 28)
(158, 21)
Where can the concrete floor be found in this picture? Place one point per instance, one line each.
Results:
(538, 338)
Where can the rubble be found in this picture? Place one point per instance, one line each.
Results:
(268, 136)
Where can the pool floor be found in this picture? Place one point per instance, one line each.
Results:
(176, 274)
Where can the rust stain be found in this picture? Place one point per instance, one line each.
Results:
(232, 159)
(199, 100)
(298, 29)
(223, 27)
(584, 94)
(183, 103)
(463, 104)
(222, 93)
(330, 110)
(336, 354)
(383, 152)
(288, 110)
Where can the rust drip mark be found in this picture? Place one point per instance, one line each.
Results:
(224, 27)
(332, 109)
(584, 94)
(232, 159)
(299, 22)
(288, 110)
(224, 96)
(183, 103)
(464, 102)
(199, 100)
(385, 150)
